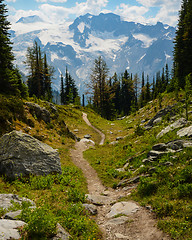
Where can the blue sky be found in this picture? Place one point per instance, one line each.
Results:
(58, 11)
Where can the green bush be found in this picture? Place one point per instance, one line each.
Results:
(75, 219)
(75, 195)
(185, 190)
(139, 130)
(147, 187)
(41, 182)
(41, 223)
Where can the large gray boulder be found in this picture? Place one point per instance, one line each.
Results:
(21, 154)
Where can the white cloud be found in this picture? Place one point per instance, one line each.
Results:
(132, 13)
(10, 0)
(168, 10)
(167, 13)
(60, 13)
(58, 1)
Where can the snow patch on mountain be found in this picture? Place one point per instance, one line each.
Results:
(141, 58)
(147, 40)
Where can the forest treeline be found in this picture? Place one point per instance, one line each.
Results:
(121, 95)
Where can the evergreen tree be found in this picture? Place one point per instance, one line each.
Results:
(116, 90)
(183, 44)
(100, 89)
(188, 91)
(47, 80)
(166, 75)
(40, 73)
(147, 92)
(142, 97)
(127, 93)
(136, 83)
(9, 81)
(62, 93)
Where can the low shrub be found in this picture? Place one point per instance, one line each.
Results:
(147, 187)
(41, 223)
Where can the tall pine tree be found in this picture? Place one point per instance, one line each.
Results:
(9, 78)
(183, 44)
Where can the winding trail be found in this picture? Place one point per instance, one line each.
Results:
(139, 224)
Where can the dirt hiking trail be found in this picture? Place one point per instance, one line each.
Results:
(117, 220)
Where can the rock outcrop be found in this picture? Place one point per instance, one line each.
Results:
(177, 124)
(21, 154)
(40, 112)
(157, 118)
(185, 132)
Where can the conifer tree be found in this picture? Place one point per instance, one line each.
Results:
(183, 44)
(62, 93)
(147, 92)
(9, 81)
(100, 90)
(40, 73)
(142, 97)
(127, 93)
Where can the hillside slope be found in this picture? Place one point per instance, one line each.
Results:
(132, 160)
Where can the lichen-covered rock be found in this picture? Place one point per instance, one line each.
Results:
(177, 124)
(40, 112)
(168, 110)
(185, 132)
(21, 154)
(7, 200)
(9, 229)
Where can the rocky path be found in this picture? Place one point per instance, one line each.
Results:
(117, 219)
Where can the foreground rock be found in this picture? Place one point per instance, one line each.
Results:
(9, 229)
(21, 154)
(7, 200)
(98, 199)
(177, 124)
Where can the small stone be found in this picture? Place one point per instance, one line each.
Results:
(91, 208)
(124, 208)
(119, 138)
(121, 236)
(98, 199)
(117, 221)
(88, 136)
(12, 215)
(160, 147)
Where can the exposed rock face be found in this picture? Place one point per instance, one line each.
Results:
(40, 112)
(21, 154)
(168, 110)
(185, 132)
(177, 124)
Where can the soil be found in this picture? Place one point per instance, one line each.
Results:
(139, 225)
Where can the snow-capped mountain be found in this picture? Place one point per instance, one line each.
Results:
(123, 45)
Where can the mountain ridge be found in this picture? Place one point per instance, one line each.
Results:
(122, 44)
